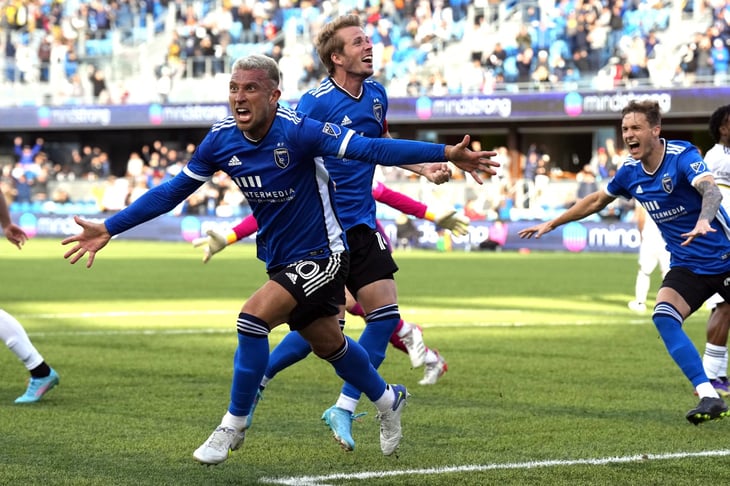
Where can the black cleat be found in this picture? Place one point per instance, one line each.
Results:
(708, 409)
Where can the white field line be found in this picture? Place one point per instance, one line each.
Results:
(365, 475)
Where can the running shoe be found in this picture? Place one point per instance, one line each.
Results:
(37, 387)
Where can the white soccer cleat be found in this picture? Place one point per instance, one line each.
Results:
(637, 306)
(218, 446)
(390, 426)
(434, 371)
(413, 341)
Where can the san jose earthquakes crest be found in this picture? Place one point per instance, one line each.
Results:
(281, 156)
(667, 184)
(378, 111)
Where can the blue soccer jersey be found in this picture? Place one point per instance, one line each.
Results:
(674, 204)
(283, 178)
(365, 114)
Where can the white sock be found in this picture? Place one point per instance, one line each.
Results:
(14, 336)
(706, 390)
(715, 361)
(405, 329)
(234, 421)
(346, 403)
(431, 356)
(385, 402)
(643, 282)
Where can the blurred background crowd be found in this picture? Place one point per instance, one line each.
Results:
(83, 182)
(142, 51)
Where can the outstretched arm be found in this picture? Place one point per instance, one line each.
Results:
(399, 201)
(392, 152)
(711, 200)
(158, 200)
(449, 219)
(93, 237)
(469, 161)
(433, 172)
(590, 204)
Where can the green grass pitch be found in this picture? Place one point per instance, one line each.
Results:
(552, 380)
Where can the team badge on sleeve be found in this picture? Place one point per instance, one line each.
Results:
(281, 156)
(698, 167)
(332, 130)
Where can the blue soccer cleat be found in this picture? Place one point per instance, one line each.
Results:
(340, 421)
(37, 387)
(259, 396)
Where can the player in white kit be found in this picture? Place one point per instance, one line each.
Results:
(718, 161)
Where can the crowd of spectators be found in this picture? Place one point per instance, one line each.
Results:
(509, 45)
(84, 182)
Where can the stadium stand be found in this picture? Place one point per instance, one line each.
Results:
(631, 42)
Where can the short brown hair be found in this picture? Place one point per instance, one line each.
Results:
(328, 42)
(649, 108)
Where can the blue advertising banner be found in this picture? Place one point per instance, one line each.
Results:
(574, 237)
(550, 106)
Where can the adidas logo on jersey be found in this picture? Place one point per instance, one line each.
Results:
(292, 277)
(639, 190)
(346, 121)
(234, 161)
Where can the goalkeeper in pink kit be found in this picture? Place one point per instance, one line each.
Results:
(407, 337)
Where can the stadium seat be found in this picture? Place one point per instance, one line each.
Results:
(235, 31)
(99, 47)
(559, 48)
(510, 69)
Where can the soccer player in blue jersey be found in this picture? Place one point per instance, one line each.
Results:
(274, 156)
(671, 181)
(349, 97)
